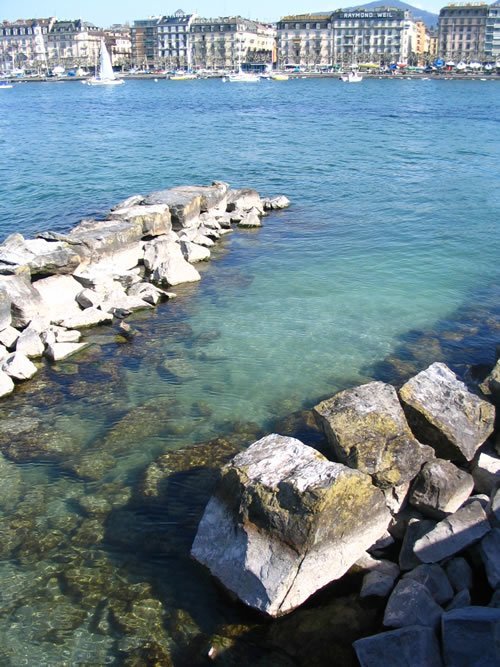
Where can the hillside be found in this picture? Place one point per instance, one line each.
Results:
(430, 20)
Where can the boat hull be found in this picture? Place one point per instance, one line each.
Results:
(103, 82)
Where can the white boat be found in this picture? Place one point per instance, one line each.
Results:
(5, 84)
(105, 75)
(243, 77)
(183, 76)
(352, 77)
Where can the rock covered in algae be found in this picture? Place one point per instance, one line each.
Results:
(284, 522)
(367, 430)
(443, 413)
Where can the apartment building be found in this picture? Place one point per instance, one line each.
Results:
(231, 41)
(305, 40)
(462, 30)
(23, 43)
(73, 43)
(492, 33)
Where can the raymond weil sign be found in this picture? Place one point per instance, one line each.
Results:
(393, 14)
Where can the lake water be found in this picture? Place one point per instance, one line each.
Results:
(387, 260)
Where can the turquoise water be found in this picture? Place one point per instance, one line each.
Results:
(386, 261)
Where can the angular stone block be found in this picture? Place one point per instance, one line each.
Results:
(443, 413)
(284, 522)
(434, 578)
(413, 646)
(490, 555)
(453, 534)
(440, 488)
(367, 430)
(411, 604)
(471, 637)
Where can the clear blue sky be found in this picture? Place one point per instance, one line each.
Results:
(105, 12)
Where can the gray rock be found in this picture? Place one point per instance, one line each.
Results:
(148, 292)
(26, 303)
(157, 251)
(434, 578)
(194, 253)
(39, 255)
(486, 471)
(134, 200)
(379, 581)
(5, 316)
(62, 335)
(396, 497)
(58, 295)
(413, 646)
(18, 366)
(367, 430)
(415, 530)
(114, 241)
(491, 385)
(382, 544)
(4, 352)
(6, 384)
(155, 220)
(87, 318)
(284, 522)
(276, 203)
(9, 336)
(30, 344)
(459, 573)
(244, 200)
(411, 603)
(440, 488)
(470, 637)
(60, 351)
(489, 549)
(204, 241)
(458, 531)
(443, 413)
(493, 507)
(187, 202)
(174, 269)
(461, 599)
(250, 220)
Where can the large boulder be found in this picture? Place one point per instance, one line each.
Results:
(6, 384)
(58, 295)
(188, 201)
(491, 385)
(284, 522)
(454, 533)
(244, 200)
(367, 430)
(486, 470)
(5, 315)
(440, 488)
(412, 646)
(116, 242)
(87, 318)
(26, 303)
(434, 578)
(174, 269)
(30, 344)
(471, 637)
(490, 554)
(39, 255)
(443, 413)
(155, 220)
(18, 366)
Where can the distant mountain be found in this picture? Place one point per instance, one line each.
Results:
(430, 20)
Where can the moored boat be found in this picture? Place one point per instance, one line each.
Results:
(352, 77)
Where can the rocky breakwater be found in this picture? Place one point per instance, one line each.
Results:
(54, 286)
(407, 499)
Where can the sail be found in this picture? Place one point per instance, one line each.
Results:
(105, 67)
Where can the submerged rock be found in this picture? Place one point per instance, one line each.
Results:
(367, 430)
(444, 414)
(284, 522)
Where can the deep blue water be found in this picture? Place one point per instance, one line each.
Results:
(387, 260)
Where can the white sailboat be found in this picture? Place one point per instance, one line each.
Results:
(104, 75)
(352, 77)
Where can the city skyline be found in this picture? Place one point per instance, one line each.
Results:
(121, 11)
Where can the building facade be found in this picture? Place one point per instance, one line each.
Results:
(144, 42)
(341, 37)
(462, 30)
(23, 43)
(492, 33)
(231, 42)
(382, 35)
(73, 44)
(119, 45)
(173, 41)
(305, 40)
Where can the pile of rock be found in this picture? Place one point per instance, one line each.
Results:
(56, 284)
(395, 502)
